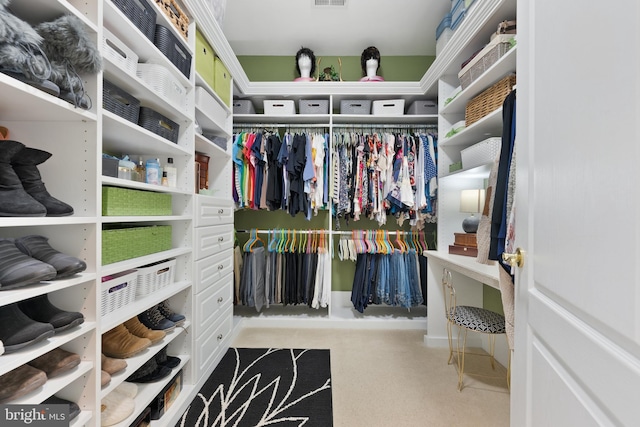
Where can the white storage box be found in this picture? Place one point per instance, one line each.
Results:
(355, 106)
(313, 106)
(482, 153)
(119, 53)
(154, 277)
(243, 106)
(423, 106)
(209, 113)
(165, 84)
(117, 291)
(279, 108)
(389, 107)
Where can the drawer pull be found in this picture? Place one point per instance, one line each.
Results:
(220, 300)
(220, 267)
(220, 211)
(220, 337)
(220, 239)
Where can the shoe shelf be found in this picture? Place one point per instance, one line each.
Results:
(204, 145)
(82, 419)
(135, 362)
(26, 292)
(18, 358)
(141, 304)
(488, 126)
(148, 392)
(129, 264)
(54, 385)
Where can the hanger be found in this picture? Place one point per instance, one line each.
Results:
(247, 245)
(256, 239)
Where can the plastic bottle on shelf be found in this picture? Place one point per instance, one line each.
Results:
(141, 171)
(165, 180)
(153, 172)
(172, 173)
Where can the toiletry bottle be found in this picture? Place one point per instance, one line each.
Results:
(142, 171)
(172, 173)
(153, 172)
(165, 180)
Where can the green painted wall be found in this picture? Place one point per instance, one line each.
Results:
(491, 299)
(283, 68)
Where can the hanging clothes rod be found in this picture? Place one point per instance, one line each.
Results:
(278, 125)
(383, 126)
(346, 233)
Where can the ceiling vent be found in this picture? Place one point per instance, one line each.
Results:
(330, 2)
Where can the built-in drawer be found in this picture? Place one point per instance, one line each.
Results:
(211, 269)
(212, 342)
(213, 240)
(212, 211)
(211, 303)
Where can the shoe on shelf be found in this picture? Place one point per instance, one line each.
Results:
(41, 309)
(166, 311)
(74, 409)
(38, 247)
(135, 326)
(14, 199)
(163, 359)
(121, 344)
(153, 319)
(112, 366)
(19, 382)
(56, 362)
(114, 408)
(17, 330)
(150, 372)
(128, 389)
(105, 378)
(18, 269)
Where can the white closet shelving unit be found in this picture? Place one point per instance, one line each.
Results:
(77, 138)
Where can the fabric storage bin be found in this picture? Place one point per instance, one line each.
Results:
(443, 33)
(118, 53)
(120, 102)
(163, 83)
(362, 106)
(279, 108)
(313, 106)
(489, 100)
(482, 153)
(484, 59)
(204, 59)
(141, 13)
(117, 291)
(119, 244)
(153, 277)
(178, 18)
(173, 49)
(243, 106)
(110, 167)
(457, 14)
(389, 107)
(159, 124)
(208, 106)
(222, 81)
(117, 201)
(423, 106)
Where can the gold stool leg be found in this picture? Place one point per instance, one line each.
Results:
(450, 343)
(492, 350)
(461, 357)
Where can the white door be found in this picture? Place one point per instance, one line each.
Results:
(577, 345)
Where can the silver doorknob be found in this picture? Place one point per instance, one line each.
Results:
(514, 260)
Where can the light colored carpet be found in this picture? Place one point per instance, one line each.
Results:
(389, 378)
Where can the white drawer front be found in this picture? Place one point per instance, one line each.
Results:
(211, 269)
(211, 211)
(213, 240)
(210, 343)
(211, 303)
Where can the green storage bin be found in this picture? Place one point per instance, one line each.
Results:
(118, 201)
(222, 82)
(205, 59)
(122, 243)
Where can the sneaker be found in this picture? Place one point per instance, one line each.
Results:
(166, 311)
(153, 319)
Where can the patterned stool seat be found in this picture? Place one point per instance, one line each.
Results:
(479, 319)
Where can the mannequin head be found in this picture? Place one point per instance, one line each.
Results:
(305, 62)
(370, 61)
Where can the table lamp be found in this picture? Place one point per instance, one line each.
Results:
(471, 201)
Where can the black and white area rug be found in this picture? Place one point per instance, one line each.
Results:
(254, 387)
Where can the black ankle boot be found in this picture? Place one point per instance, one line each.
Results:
(17, 330)
(14, 200)
(40, 309)
(38, 247)
(18, 269)
(25, 164)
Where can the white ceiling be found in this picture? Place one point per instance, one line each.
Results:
(281, 27)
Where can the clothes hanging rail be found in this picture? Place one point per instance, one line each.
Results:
(280, 125)
(383, 126)
(346, 233)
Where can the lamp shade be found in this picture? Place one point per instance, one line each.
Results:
(472, 201)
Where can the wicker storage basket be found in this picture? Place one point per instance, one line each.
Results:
(144, 19)
(489, 100)
(120, 102)
(153, 277)
(175, 14)
(118, 201)
(172, 48)
(165, 84)
(482, 153)
(159, 124)
(117, 291)
(484, 59)
(119, 244)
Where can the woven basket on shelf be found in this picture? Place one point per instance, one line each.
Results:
(178, 18)
(489, 100)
